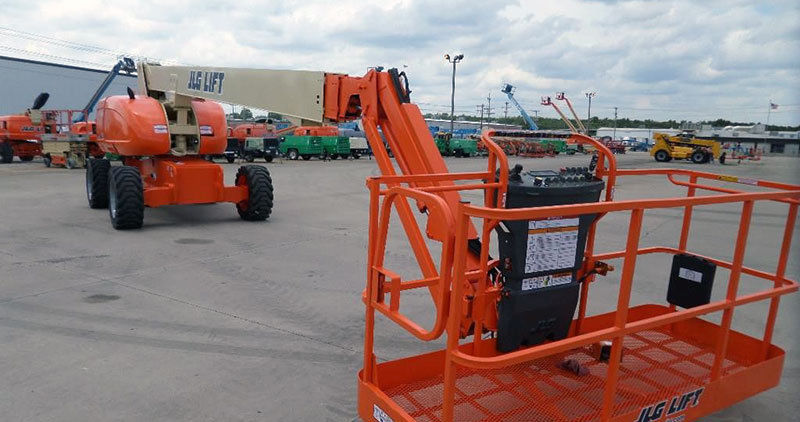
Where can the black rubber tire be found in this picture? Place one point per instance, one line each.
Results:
(292, 154)
(97, 182)
(249, 158)
(699, 157)
(662, 156)
(70, 163)
(306, 157)
(47, 161)
(26, 158)
(258, 206)
(722, 158)
(355, 155)
(6, 153)
(230, 159)
(125, 198)
(268, 158)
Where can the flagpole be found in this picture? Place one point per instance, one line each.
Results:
(769, 111)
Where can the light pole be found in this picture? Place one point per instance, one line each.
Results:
(454, 60)
(589, 95)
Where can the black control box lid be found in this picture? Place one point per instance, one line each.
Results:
(566, 182)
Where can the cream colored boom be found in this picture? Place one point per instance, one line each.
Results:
(296, 93)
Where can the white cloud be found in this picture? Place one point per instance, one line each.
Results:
(676, 59)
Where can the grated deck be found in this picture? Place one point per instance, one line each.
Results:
(655, 365)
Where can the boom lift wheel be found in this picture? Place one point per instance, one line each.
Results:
(258, 205)
(292, 154)
(6, 152)
(26, 158)
(662, 156)
(125, 198)
(97, 182)
(47, 160)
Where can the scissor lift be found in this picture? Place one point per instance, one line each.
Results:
(665, 363)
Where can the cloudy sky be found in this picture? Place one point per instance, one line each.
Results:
(683, 60)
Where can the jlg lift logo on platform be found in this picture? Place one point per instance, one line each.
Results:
(210, 82)
(32, 129)
(676, 404)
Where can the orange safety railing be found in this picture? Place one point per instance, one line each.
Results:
(467, 298)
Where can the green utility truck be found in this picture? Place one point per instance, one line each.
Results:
(559, 146)
(293, 146)
(458, 147)
(335, 146)
(463, 147)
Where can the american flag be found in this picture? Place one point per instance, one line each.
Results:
(773, 106)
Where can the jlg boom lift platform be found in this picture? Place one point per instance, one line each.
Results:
(519, 343)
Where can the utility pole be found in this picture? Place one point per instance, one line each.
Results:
(589, 95)
(480, 108)
(454, 61)
(535, 115)
(489, 108)
(505, 113)
(615, 123)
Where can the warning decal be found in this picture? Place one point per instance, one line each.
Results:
(546, 281)
(552, 244)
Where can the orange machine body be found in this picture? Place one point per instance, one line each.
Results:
(138, 127)
(247, 130)
(137, 130)
(316, 131)
(22, 135)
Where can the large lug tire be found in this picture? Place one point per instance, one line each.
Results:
(97, 182)
(698, 157)
(258, 205)
(125, 198)
(662, 156)
(6, 152)
(292, 154)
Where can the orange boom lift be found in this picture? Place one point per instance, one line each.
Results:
(519, 342)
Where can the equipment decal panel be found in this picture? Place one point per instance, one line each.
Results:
(546, 281)
(552, 244)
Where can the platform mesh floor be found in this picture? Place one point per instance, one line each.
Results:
(655, 365)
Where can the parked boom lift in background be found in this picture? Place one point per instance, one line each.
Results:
(509, 89)
(20, 134)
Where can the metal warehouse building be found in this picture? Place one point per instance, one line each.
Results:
(70, 87)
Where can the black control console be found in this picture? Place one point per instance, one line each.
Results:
(540, 258)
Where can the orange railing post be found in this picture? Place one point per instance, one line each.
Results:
(780, 272)
(733, 288)
(621, 317)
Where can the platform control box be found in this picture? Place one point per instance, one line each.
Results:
(539, 259)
